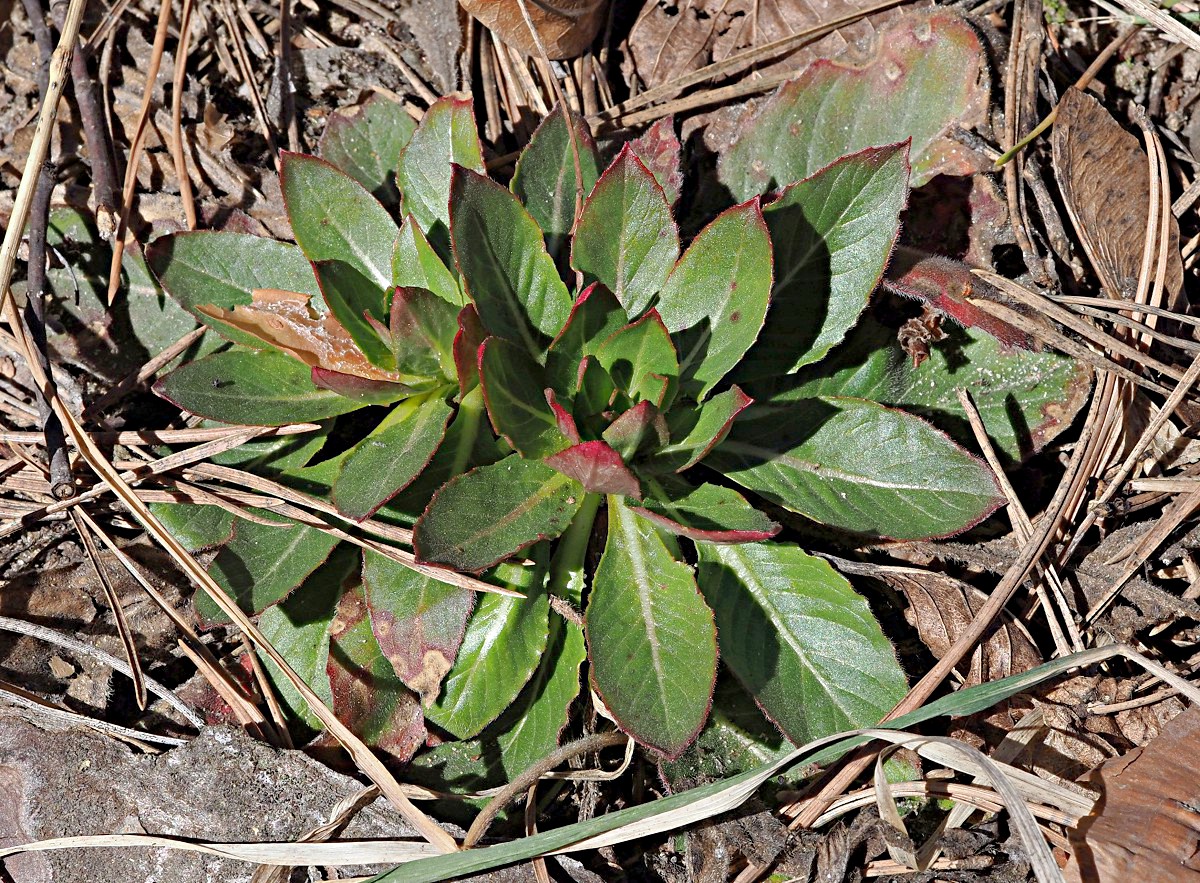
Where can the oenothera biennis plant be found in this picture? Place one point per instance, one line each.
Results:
(566, 380)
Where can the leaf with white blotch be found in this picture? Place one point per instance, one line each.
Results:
(706, 513)
(929, 71)
(799, 639)
(898, 478)
(660, 150)
(626, 237)
(832, 234)
(484, 682)
(262, 564)
(545, 179)
(1025, 398)
(493, 512)
(391, 457)
(418, 621)
(365, 142)
(651, 640)
(333, 217)
(504, 264)
(367, 696)
(719, 291)
(639, 357)
(514, 386)
(222, 269)
(416, 265)
(256, 387)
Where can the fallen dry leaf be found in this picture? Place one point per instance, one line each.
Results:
(567, 27)
(1146, 826)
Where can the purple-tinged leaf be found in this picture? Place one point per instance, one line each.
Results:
(504, 264)
(719, 292)
(661, 152)
(418, 621)
(367, 695)
(515, 391)
(363, 390)
(706, 513)
(636, 353)
(391, 457)
(334, 218)
(416, 265)
(446, 135)
(545, 179)
(625, 236)
(696, 431)
(566, 422)
(832, 234)
(595, 316)
(946, 286)
(467, 341)
(651, 639)
(641, 425)
(354, 300)
(488, 514)
(598, 468)
(364, 142)
(421, 327)
(596, 389)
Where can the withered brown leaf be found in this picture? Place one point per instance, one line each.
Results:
(566, 27)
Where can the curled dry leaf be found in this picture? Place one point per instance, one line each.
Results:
(567, 27)
(1145, 825)
(1104, 176)
(287, 321)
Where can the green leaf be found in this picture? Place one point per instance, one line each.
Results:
(271, 456)
(694, 432)
(422, 328)
(926, 73)
(544, 179)
(416, 265)
(706, 513)
(262, 564)
(365, 142)
(595, 317)
(418, 621)
(334, 218)
(391, 457)
(720, 290)
(899, 478)
(596, 466)
(367, 696)
(196, 527)
(495, 511)
(639, 356)
(299, 629)
(650, 635)
(445, 136)
(626, 237)
(1025, 398)
(639, 428)
(504, 264)
(260, 388)
(351, 297)
(832, 235)
(799, 639)
(221, 269)
(503, 644)
(514, 386)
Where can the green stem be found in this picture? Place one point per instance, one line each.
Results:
(470, 409)
(566, 570)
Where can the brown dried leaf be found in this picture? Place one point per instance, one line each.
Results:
(1145, 825)
(1104, 176)
(287, 321)
(567, 27)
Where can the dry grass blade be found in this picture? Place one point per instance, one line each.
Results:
(27, 700)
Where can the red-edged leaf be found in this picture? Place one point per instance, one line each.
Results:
(467, 342)
(661, 151)
(420, 328)
(637, 427)
(566, 422)
(598, 468)
(695, 432)
(595, 316)
(945, 285)
(596, 388)
(515, 391)
(361, 389)
(706, 514)
(639, 356)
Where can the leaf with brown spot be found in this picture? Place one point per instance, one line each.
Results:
(367, 695)
(1104, 176)
(566, 27)
(418, 621)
